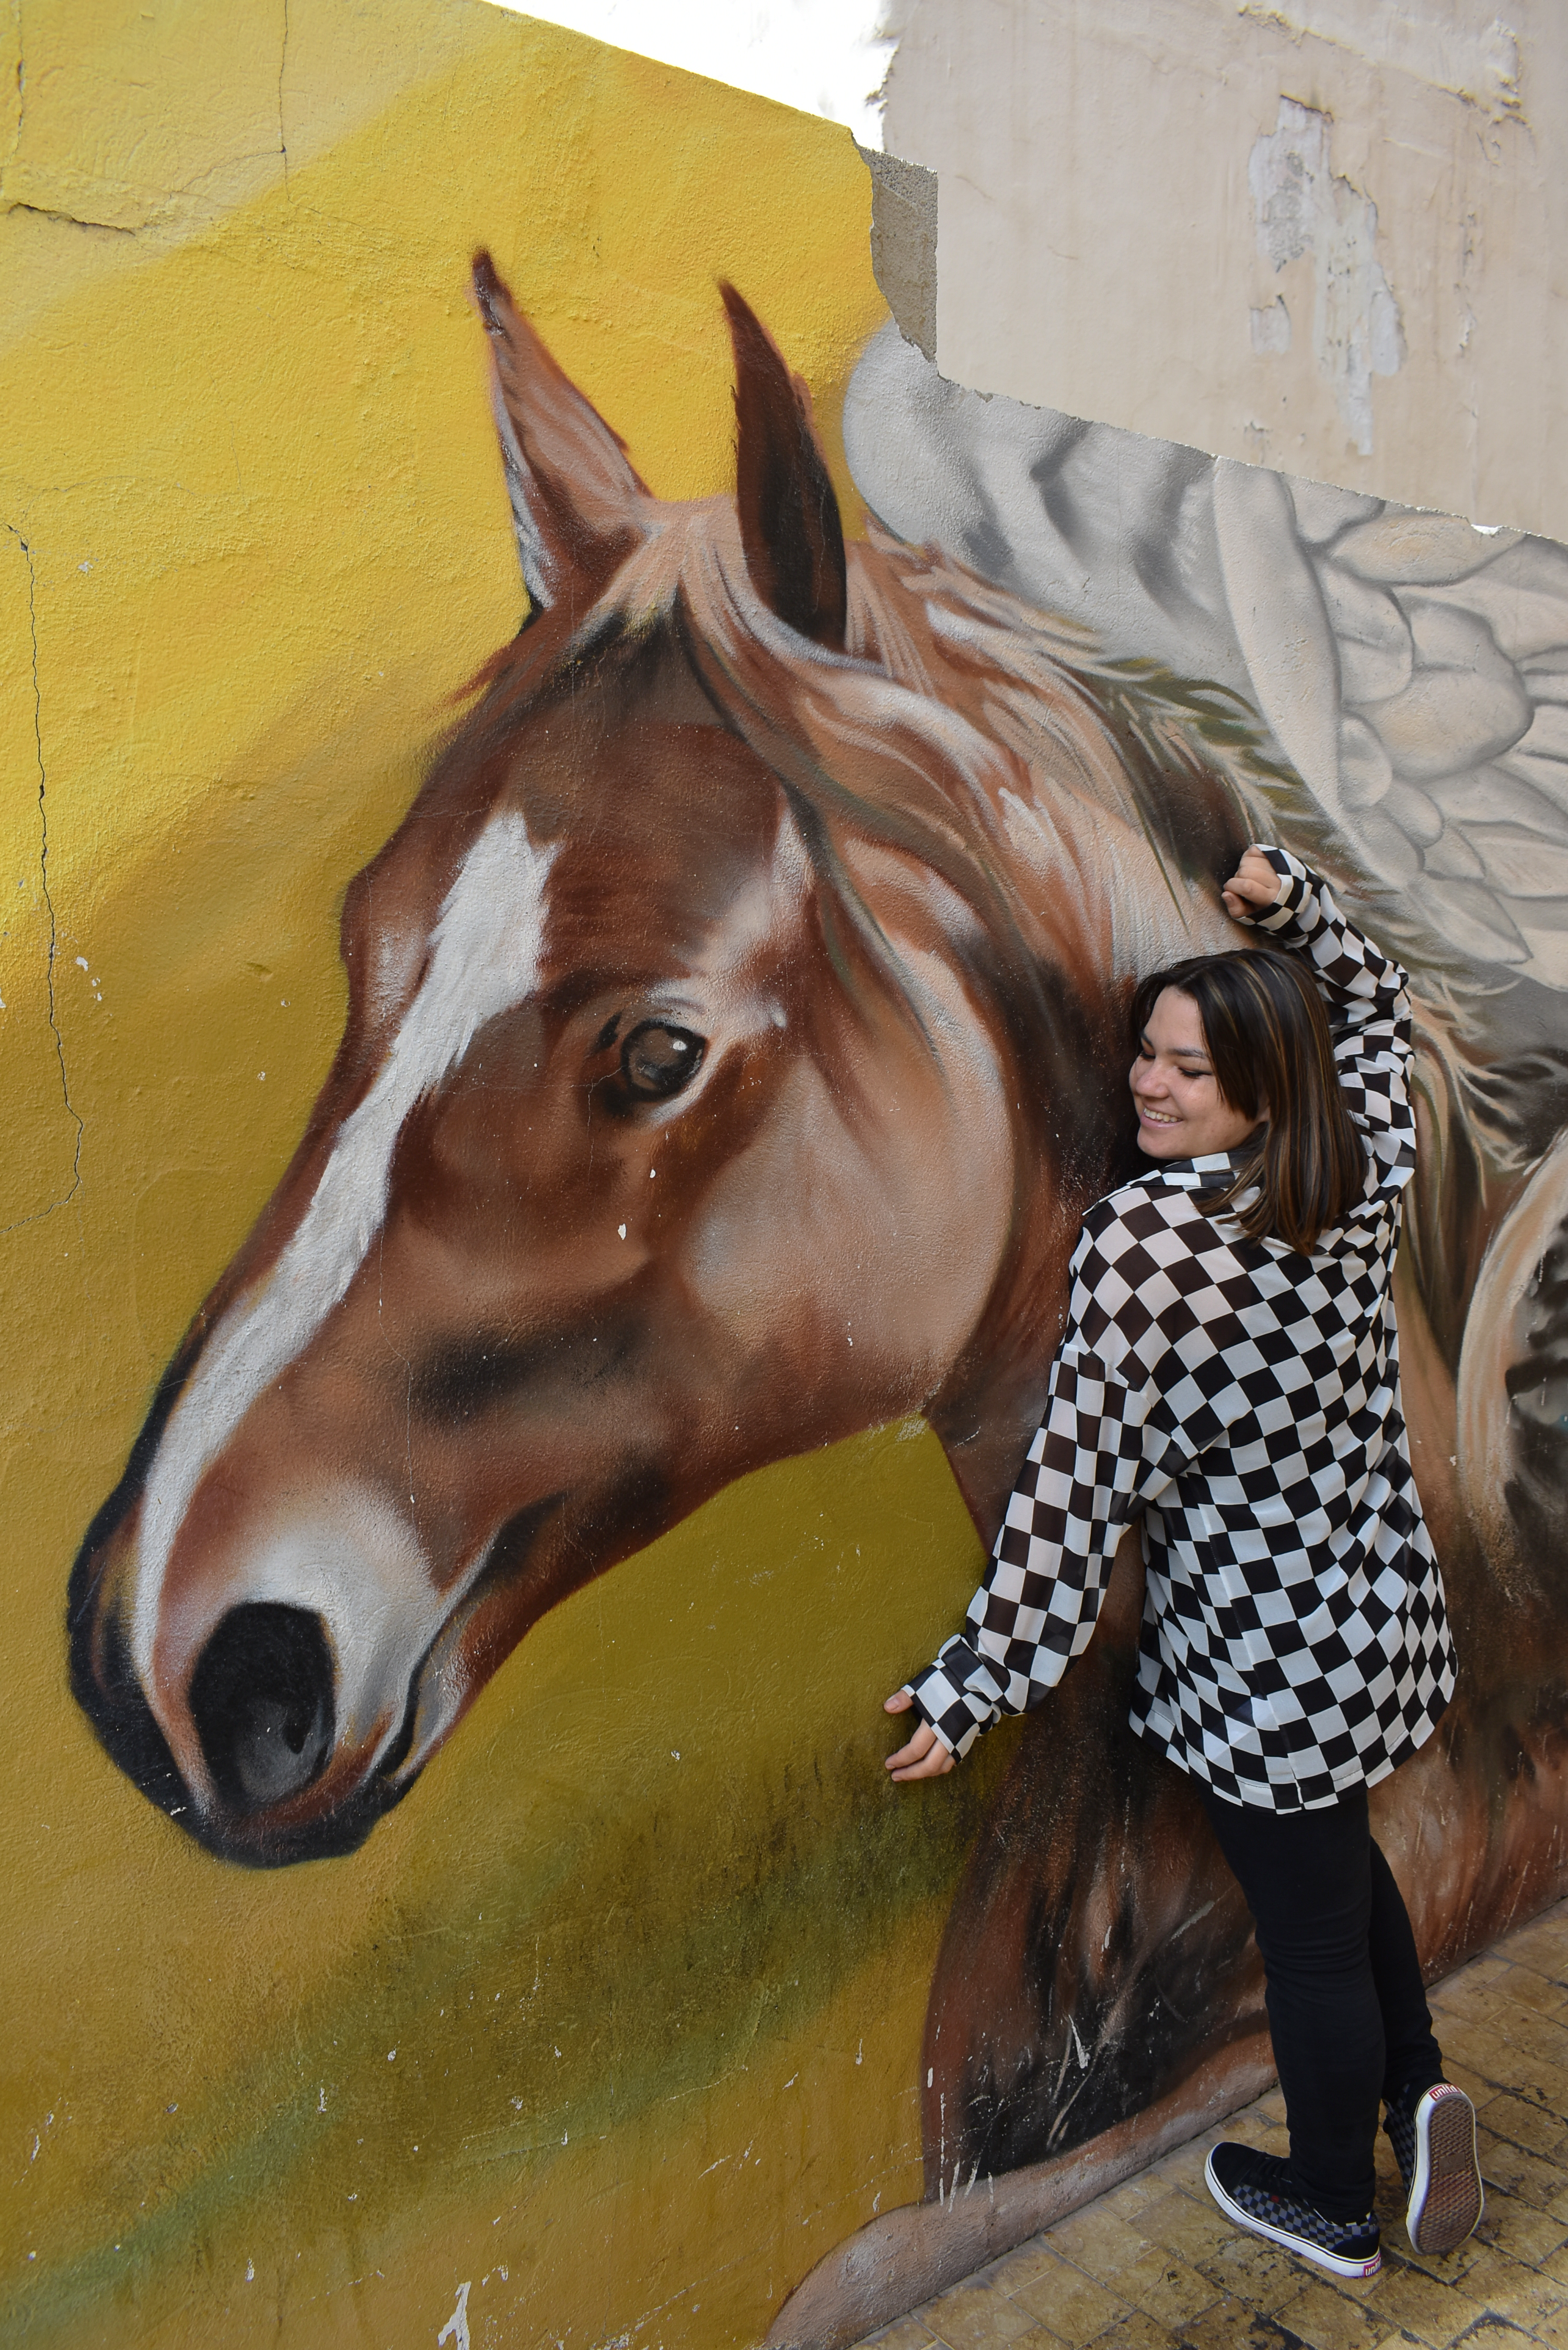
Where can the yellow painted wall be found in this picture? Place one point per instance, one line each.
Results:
(617, 2017)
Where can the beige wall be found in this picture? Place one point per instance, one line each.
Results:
(1326, 236)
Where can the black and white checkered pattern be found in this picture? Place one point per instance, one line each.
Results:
(1259, 2192)
(1246, 1400)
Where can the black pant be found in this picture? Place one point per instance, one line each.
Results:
(1347, 2009)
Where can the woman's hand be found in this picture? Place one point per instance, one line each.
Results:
(925, 1756)
(1254, 886)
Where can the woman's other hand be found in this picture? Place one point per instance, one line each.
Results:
(925, 1756)
(1253, 888)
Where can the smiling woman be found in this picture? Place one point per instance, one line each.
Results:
(1228, 1375)
(1182, 1111)
(1235, 1054)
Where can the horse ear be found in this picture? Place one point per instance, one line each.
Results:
(577, 506)
(790, 527)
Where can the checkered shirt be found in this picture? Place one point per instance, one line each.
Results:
(1245, 1400)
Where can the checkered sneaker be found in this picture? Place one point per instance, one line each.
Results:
(1435, 2146)
(1260, 2193)
(1399, 2123)
(1244, 1400)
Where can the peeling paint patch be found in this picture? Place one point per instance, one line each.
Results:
(455, 2330)
(1300, 208)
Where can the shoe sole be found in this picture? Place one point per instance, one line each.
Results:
(1329, 2261)
(1447, 2199)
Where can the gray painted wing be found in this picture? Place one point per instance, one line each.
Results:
(1411, 667)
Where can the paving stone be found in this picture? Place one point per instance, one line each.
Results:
(1496, 2333)
(1447, 2268)
(1027, 2265)
(1527, 2176)
(973, 2316)
(1413, 2302)
(1098, 2241)
(1072, 2306)
(1330, 2320)
(1542, 1945)
(1189, 2224)
(1540, 2036)
(1257, 2273)
(1231, 2325)
(1134, 2196)
(1527, 2124)
(1507, 2289)
(907, 2333)
(1478, 2048)
(1134, 2332)
(1163, 2286)
(1481, 2003)
(1508, 2062)
(1526, 1989)
(990, 2275)
(1519, 2230)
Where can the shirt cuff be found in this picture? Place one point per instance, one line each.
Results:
(957, 1713)
(1295, 883)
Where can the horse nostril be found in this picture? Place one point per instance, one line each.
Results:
(260, 1697)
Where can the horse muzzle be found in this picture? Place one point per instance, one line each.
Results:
(274, 1711)
(262, 1707)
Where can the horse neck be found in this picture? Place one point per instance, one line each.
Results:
(1100, 904)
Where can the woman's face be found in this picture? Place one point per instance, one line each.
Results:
(1182, 1113)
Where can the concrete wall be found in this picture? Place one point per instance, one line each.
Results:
(1325, 235)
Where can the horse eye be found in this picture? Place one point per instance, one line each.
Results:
(657, 1059)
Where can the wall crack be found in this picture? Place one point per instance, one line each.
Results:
(19, 124)
(71, 1110)
(281, 69)
(72, 220)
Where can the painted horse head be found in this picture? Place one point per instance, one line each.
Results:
(732, 1049)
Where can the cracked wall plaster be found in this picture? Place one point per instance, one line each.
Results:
(141, 128)
(1479, 62)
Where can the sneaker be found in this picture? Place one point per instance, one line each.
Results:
(1435, 2146)
(1259, 2192)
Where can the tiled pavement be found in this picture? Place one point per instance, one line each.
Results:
(1153, 2265)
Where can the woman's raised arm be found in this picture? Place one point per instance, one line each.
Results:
(1365, 993)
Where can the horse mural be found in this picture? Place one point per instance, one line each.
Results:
(734, 1043)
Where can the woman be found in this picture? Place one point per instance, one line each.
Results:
(1230, 1369)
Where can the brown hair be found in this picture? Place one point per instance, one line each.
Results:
(1268, 1037)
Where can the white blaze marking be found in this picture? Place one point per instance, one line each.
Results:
(484, 958)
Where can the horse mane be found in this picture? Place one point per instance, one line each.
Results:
(929, 737)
